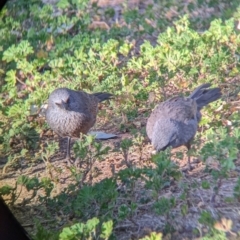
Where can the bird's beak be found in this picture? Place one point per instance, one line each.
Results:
(62, 105)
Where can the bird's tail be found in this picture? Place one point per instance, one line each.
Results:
(203, 95)
(102, 96)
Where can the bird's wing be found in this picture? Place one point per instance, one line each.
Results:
(84, 103)
(178, 108)
(164, 134)
(171, 132)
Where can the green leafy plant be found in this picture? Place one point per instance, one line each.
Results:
(223, 152)
(125, 147)
(87, 230)
(144, 55)
(88, 152)
(163, 174)
(32, 185)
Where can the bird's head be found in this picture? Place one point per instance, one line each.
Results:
(60, 99)
(63, 103)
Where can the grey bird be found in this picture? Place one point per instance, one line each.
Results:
(70, 113)
(174, 122)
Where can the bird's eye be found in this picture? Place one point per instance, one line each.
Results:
(175, 99)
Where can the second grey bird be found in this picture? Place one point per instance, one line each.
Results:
(71, 113)
(174, 122)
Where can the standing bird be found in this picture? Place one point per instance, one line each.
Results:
(174, 122)
(70, 112)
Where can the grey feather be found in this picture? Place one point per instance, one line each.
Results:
(175, 121)
(70, 112)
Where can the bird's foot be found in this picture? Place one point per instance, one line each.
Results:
(189, 164)
(77, 162)
(69, 161)
(188, 167)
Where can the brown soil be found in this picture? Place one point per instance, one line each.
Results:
(144, 220)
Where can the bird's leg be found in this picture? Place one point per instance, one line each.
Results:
(188, 145)
(68, 156)
(78, 160)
